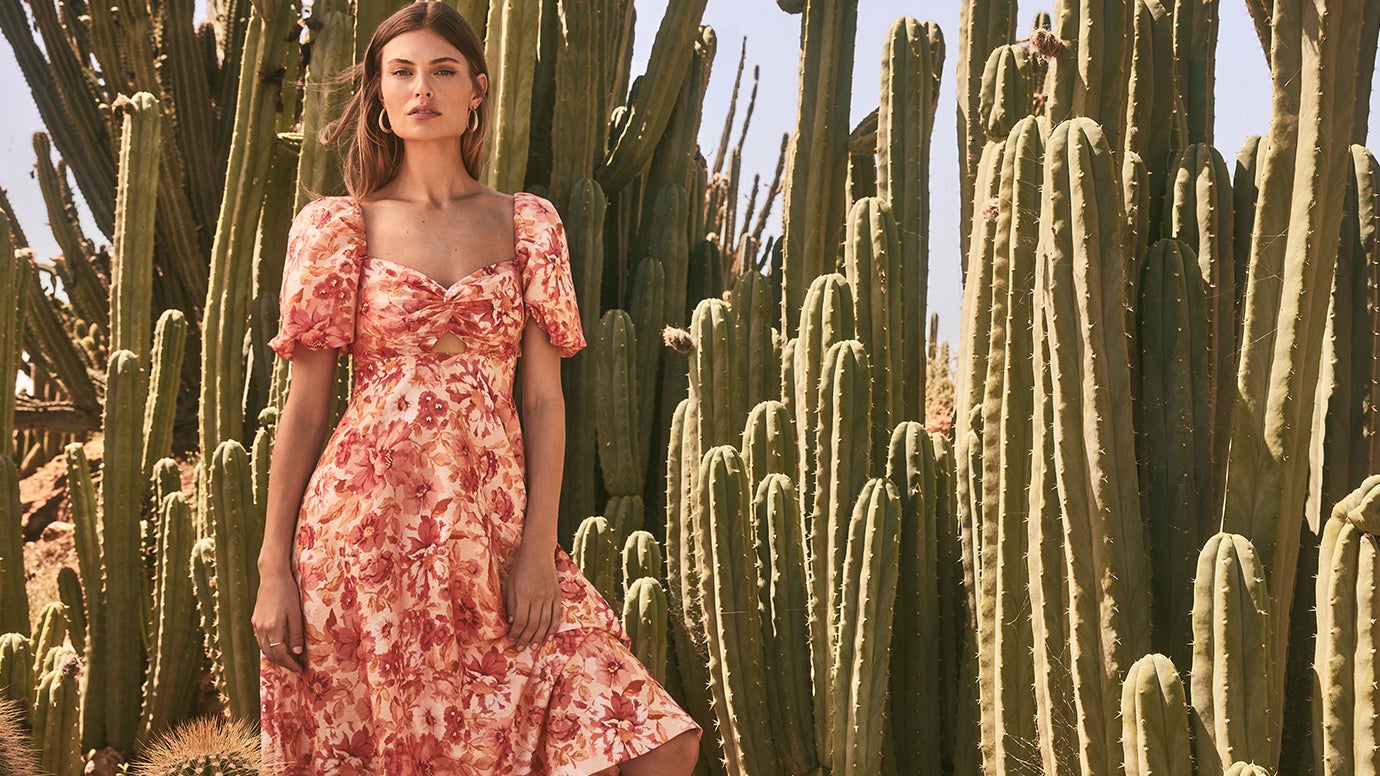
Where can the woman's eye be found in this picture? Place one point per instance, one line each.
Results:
(445, 72)
(401, 73)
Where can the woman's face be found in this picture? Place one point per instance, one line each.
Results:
(426, 86)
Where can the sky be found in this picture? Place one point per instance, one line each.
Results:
(773, 40)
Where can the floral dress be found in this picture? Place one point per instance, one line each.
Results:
(409, 521)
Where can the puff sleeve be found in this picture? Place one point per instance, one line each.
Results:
(320, 278)
(548, 288)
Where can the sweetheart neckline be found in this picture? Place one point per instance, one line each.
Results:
(517, 248)
(433, 281)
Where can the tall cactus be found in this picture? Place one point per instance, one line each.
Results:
(782, 598)
(867, 594)
(1082, 301)
(1232, 667)
(912, 61)
(1087, 78)
(983, 25)
(1346, 712)
(817, 161)
(915, 663)
(131, 288)
(1173, 421)
(57, 718)
(1313, 54)
(731, 622)
(122, 566)
(231, 502)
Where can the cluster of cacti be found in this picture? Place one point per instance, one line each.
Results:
(1151, 352)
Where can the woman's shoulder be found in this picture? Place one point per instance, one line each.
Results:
(533, 208)
(330, 215)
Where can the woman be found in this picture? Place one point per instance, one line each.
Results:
(415, 612)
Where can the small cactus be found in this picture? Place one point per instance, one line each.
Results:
(202, 747)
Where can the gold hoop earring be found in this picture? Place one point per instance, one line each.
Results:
(474, 120)
(382, 115)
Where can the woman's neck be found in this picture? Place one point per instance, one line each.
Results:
(433, 172)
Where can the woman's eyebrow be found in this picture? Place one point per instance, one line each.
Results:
(400, 60)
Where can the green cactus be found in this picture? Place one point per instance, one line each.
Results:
(175, 662)
(867, 593)
(616, 404)
(584, 222)
(781, 596)
(648, 310)
(1088, 76)
(1173, 418)
(203, 747)
(596, 553)
(122, 580)
(1346, 716)
(845, 403)
(915, 665)
(69, 592)
(769, 442)
(1083, 305)
(983, 25)
(1292, 262)
(14, 612)
(1007, 390)
(715, 384)
(1344, 445)
(731, 621)
(231, 502)
(912, 62)
(1152, 125)
(16, 668)
(131, 289)
(204, 586)
(169, 346)
(644, 618)
(827, 318)
(49, 633)
(871, 258)
(1195, 60)
(1008, 82)
(649, 109)
(1154, 720)
(1231, 656)
(57, 718)
(641, 558)
(625, 514)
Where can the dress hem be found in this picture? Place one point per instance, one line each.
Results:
(597, 766)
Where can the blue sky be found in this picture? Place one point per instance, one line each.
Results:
(1243, 107)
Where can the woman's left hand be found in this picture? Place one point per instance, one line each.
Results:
(532, 594)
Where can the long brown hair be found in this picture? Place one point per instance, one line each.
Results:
(372, 157)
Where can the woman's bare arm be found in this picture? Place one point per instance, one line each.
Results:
(532, 591)
(543, 436)
(302, 429)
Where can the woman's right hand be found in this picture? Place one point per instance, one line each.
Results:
(277, 620)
